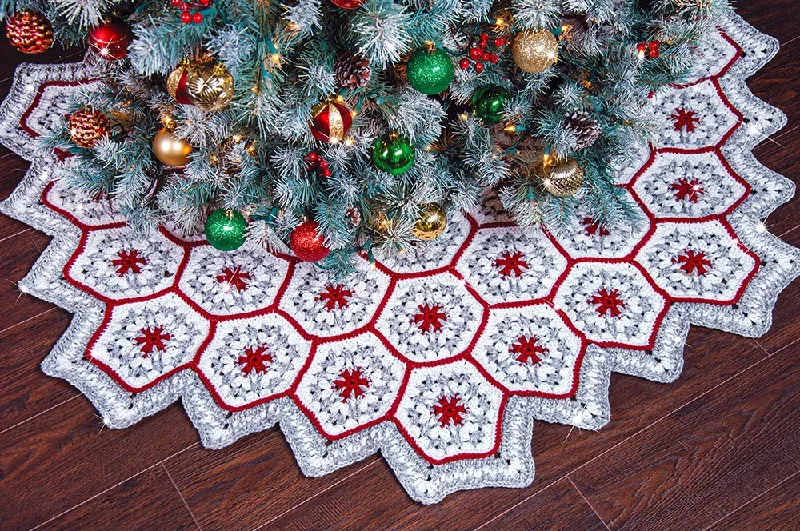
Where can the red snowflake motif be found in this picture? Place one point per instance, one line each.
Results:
(684, 119)
(128, 262)
(255, 359)
(335, 296)
(593, 227)
(692, 261)
(528, 349)
(234, 278)
(152, 338)
(608, 301)
(351, 384)
(685, 189)
(430, 317)
(450, 410)
(511, 264)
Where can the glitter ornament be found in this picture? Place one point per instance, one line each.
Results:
(393, 153)
(176, 83)
(87, 126)
(430, 223)
(306, 242)
(563, 178)
(535, 51)
(226, 230)
(488, 102)
(209, 86)
(29, 32)
(110, 40)
(330, 121)
(430, 70)
(171, 150)
(347, 4)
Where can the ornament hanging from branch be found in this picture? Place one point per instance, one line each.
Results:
(29, 32)
(307, 243)
(169, 149)
(209, 86)
(534, 51)
(430, 69)
(430, 223)
(393, 153)
(226, 230)
(110, 40)
(87, 126)
(331, 121)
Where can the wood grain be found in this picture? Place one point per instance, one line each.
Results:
(64, 456)
(706, 459)
(25, 390)
(146, 502)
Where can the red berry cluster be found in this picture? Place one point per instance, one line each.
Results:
(478, 55)
(315, 162)
(186, 8)
(649, 49)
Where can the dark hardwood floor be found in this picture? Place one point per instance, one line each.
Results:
(719, 448)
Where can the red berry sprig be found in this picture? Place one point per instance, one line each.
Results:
(190, 10)
(649, 49)
(478, 54)
(314, 162)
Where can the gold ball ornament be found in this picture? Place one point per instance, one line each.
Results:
(171, 150)
(563, 178)
(535, 51)
(430, 223)
(209, 86)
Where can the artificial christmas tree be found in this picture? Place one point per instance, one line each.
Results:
(398, 98)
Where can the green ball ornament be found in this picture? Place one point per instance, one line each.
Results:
(488, 102)
(393, 154)
(226, 229)
(430, 70)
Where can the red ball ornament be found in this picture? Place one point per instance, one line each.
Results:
(348, 4)
(307, 244)
(330, 121)
(110, 40)
(478, 67)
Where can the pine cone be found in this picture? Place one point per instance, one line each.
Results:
(352, 70)
(585, 129)
(29, 32)
(87, 126)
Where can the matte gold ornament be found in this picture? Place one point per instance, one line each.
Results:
(431, 222)
(563, 178)
(171, 150)
(535, 51)
(209, 86)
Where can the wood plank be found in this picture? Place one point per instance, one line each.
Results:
(17, 256)
(25, 390)
(247, 483)
(65, 456)
(559, 506)
(706, 459)
(777, 508)
(770, 17)
(145, 502)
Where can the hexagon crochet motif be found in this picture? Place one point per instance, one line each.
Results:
(440, 358)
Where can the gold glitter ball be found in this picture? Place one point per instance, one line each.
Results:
(535, 51)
